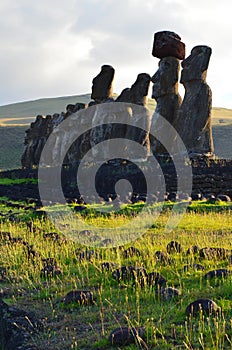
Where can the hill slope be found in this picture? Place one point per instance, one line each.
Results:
(15, 119)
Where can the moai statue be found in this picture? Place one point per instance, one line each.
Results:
(138, 92)
(170, 49)
(194, 120)
(102, 88)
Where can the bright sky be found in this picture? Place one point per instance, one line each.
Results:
(54, 48)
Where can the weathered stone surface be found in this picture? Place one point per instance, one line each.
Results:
(130, 273)
(194, 119)
(163, 258)
(102, 88)
(206, 306)
(214, 253)
(169, 293)
(167, 43)
(219, 273)
(16, 327)
(174, 247)
(165, 92)
(82, 297)
(126, 335)
(138, 92)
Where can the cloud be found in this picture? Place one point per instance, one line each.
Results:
(56, 48)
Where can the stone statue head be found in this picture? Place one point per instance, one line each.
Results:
(139, 89)
(102, 88)
(196, 64)
(166, 78)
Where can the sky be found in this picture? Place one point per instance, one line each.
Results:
(52, 48)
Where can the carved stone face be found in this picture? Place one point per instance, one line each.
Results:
(166, 78)
(195, 65)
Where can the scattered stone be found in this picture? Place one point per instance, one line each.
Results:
(82, 297)
(163, 258)
(197, 267)
(79, 208)
(3, 273)
(130, 252)
(54, 236)
(16, 327)
(155, 279)
(107, 266)
(214, 253)
(32, 253)
(168, 293)
(174, 247)
(219, 273)
(5, 236)
(126, 336)
(130, 273)
(206, 306)
(50, 268)
(192, 250)
(167, 43)
(106, 242)
(88, 255)
(196, 196)
(102, 88)
(223, 198)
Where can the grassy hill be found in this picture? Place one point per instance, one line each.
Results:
(16, 118)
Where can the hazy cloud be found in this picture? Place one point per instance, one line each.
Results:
(56, 48)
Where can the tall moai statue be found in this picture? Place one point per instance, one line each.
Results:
(194, 120)
(102, 88)
(169, 48)
(137, 93)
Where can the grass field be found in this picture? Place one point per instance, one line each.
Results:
(16, 118)
(124, 302)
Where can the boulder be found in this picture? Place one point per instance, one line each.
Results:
(16, 327)
(174, 247)
(82, 297)
(126, 335)
(206, 306)
(219, 273)
(169, 293)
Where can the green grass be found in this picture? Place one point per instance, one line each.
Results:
(6, 181)
(121, 304)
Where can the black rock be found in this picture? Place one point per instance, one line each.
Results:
(82, 297)
(174, 247)
(207, 306)
(125, 335)
(163, 258)
(107, 266)
(219, 273)
(169, 293)
(196, 196)
(130, 273)
(223, 198)
(155, 279)
(214, 253)
(193, 250)
(130, 252)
